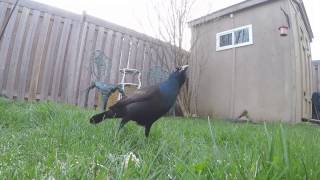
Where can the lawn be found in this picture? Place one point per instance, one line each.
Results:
(54, 141)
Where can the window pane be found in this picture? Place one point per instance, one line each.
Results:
(241, 36)
(226, 40)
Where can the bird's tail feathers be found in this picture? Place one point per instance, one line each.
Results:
(102, 116)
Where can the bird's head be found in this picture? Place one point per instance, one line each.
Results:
(180, 74)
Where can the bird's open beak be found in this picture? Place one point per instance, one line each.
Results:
(184, 68)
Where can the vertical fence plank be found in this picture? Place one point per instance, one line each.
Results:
(116, 58)
(3, 11)
(60, 60)
(93, 96)
(140, 53)
(17, 49)
(26, 57)
(125, 52)
(132, 59)
(72, 63)
(4, 48)
(108, 52)
(100, 38)
(85, 68)
(145, 65)
(154, 63)
(39, 57)
(83, 37)
(50, 58)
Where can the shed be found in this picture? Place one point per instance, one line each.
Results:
(242, 61)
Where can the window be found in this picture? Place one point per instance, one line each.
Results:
(237, 37)
(226, 40)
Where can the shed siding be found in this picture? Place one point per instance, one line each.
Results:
(260, 78)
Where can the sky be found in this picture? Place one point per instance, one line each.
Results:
(135, 14)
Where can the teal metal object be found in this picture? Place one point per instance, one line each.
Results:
(106, 90)
(100, 67)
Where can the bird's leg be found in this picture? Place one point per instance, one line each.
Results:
(122, 123)
(147, 130)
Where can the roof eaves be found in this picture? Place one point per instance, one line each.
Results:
(225, 11)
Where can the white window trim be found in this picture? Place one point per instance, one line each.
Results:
(218, 48)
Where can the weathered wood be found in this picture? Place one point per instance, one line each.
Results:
(50, 59)
(108, 52)
(39, 56)
(145, 65)
(4, 49)
(83, 36)
(17, 50)
(123, 30)
(132, 58)
(60, 60)
(116, 58)
(26, 57)
(140, 55)
(45, 8)
(85, 75)
(153, 64)
(99, 46)
(125, 52)
(71, 64)
(100, 38)
(48, 55)
(3, 10)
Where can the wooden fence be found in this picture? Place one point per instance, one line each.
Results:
(45, 52)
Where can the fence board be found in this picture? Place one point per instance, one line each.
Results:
(114, 73)
(39, 58)
(85, 69)
(123, 30)
(60, 60)
(100, 38)
(132, 58)
(3, 11)
(108, 52)
(12, 76)
(72, 63)
(5, 44)
(153, 64)
(125, 52)
(45, 8)
(26, 57)
(99, 46)
(45, 52)
(146, 64)
(50, 58)
(83, 35)
(140, 54)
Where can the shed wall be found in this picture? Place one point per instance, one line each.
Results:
(260, 78)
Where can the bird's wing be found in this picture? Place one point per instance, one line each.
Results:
(139, 95)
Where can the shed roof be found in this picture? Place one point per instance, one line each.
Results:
(245, 5)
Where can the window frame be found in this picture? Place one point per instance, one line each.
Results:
(232, 31)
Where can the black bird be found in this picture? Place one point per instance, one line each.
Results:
(148, 104)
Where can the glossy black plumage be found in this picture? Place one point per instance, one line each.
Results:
(146, 105)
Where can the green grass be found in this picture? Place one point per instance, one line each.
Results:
(48, 140)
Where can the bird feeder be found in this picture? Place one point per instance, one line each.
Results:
(283, 30)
